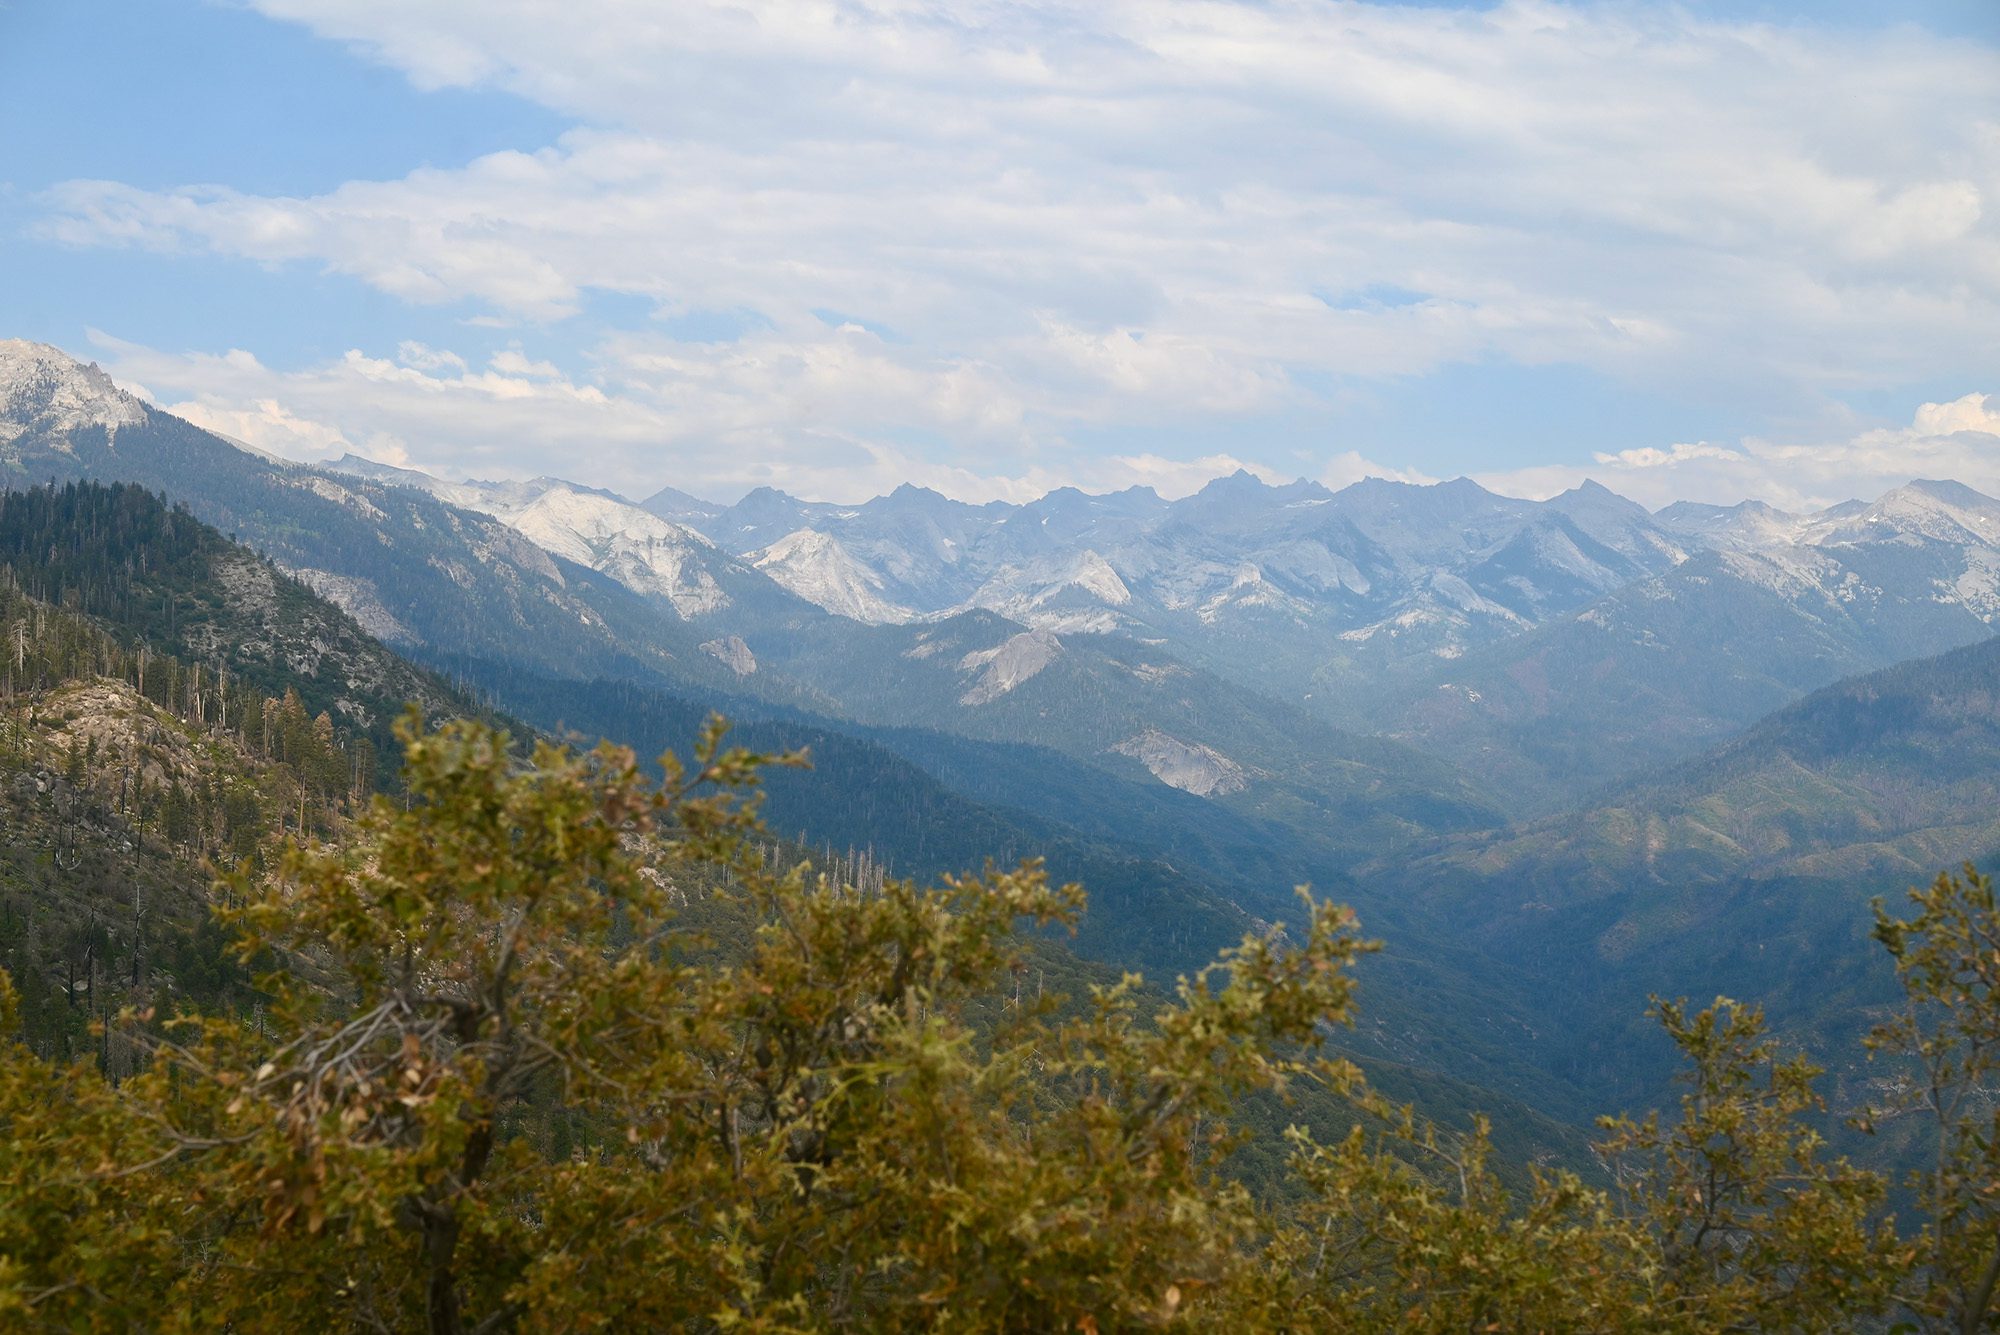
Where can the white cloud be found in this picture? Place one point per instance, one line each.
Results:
(1348, 467)
(1959, 440)
(426, 358)
(512, 361)
(715, 419)
(1132, 212)
(1974, 412)
(267, 425)
(1649, 456)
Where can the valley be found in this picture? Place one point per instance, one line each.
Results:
(1557, 754)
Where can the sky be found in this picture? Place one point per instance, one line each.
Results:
(1707, 251)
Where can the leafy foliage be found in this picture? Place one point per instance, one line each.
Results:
(507, 1081)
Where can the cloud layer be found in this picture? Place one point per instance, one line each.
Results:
(1959, 440)
(515, 417)
(952, 231)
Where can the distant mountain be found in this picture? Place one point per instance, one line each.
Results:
(1662, 667)
(1134, 710)
(816, 567)
(47, 395)
(1549, 648)
(665, 561)
(678, 506)
(1380, 572)
(575, 582)
(1746, 871)
(1554, 647)
(1888, 776)
(412, 567)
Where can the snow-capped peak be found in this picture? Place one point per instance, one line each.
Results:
(43, 389)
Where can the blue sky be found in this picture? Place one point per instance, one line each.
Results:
(1711, 250)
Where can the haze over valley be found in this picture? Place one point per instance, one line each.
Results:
(1578, 716)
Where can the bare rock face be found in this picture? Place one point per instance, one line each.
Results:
(1188, 766)
(359, 599)
(733, 653)
(1007, 665)
(115, 722)
(44, 391)
(820, 570)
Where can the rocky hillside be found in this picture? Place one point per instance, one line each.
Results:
(128, 780)
(162, 583)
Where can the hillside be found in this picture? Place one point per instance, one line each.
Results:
(128, 780)
(1747, 871)
(1133, 710)
(171, 707)
(1882, 776)
(157, 578)
(1171, 877)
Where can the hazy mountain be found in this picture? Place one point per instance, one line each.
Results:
(1134, 710)
(656, 557)
(669, 503)
(1887, 776)
(1662, 667)
(818, 568)
(573, 582)
(1557, 646)
(1301, 592)
(1551, 647)
(1747, 870)
(412, 568)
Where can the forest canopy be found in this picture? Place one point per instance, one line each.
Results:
(561, 1046)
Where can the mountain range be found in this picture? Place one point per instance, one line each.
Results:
(1555, 751)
